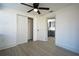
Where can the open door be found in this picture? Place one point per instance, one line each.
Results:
(51, 28)
(30, 29)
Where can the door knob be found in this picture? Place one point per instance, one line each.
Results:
(37, 29)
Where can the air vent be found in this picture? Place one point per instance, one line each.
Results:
(50, 11)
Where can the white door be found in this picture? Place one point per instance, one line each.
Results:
(22, 29)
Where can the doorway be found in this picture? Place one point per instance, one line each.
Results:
(51, 28)
(30, 29)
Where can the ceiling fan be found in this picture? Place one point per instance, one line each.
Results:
(35, 7)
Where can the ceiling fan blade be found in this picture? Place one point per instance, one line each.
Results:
(30, 10)
(26, 5)
(38, 12)
(43, 8)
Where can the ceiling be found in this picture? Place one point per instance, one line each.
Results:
(53, 7)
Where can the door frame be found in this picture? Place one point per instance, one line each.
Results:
(54, 17)
(32, 27)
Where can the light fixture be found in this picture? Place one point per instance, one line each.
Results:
(35, 10)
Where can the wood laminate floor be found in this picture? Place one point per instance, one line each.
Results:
(38, 48)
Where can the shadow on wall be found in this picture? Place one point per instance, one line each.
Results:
(2, 40)
(1, 6)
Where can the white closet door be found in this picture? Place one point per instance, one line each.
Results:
(22, 29)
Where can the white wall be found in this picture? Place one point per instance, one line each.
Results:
(7, 29)
(67, 28)
(8, 24)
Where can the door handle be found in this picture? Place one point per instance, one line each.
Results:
(37, 29)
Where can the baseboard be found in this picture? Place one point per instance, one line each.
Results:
(44, 40)
(8, 46)
(66, 46)
(21, 42)
(14, 44)
(41, 40)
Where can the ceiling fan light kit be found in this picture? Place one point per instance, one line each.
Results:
(35, 7)
(35, 10)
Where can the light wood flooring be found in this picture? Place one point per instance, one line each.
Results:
(37, 48)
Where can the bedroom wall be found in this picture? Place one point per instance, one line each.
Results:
(7, 29)
(67, 28)
(8, 24)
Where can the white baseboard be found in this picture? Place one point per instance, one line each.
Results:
(21, 42)
(8, 46)
(68, 47)
(44, 40)
(41, 40)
